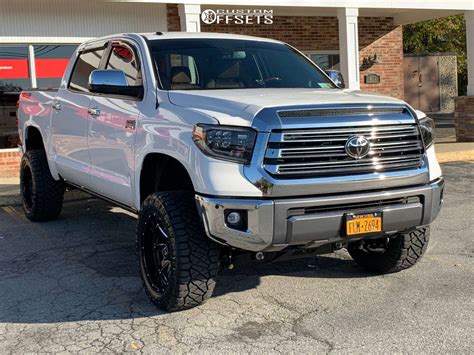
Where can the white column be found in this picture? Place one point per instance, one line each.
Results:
(190, 17)
(32, 66)
(469, 15)
(349, 46)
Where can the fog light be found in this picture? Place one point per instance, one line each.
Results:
(234, 218)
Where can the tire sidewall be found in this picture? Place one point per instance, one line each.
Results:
(26, 163)
(153, 207)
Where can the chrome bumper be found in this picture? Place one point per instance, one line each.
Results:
(273, 224)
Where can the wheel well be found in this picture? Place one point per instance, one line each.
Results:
(34, 140)
(163, 173)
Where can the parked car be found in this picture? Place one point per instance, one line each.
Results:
(8, 128)
(226, 144)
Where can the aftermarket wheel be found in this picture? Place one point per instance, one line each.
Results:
(391, 255)
(178, 263)
(42, 195)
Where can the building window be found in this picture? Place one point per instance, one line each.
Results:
(326, 60)
(14, 77)
(50, 62)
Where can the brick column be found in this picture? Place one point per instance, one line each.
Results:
(464, 118)
(9, 162)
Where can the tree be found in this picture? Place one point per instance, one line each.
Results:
(441, 35)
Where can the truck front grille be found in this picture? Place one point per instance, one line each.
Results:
(322, 152)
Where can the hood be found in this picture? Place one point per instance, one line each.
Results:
(239, 106)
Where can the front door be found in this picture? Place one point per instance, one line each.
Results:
(111, 137)
(422, 83)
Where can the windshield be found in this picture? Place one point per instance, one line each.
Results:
(206, 64)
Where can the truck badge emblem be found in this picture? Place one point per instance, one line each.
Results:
(357, 147)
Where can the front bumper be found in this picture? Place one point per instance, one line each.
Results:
(273, 225)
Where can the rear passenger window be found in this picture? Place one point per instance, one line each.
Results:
(123, 58)
(86, 63)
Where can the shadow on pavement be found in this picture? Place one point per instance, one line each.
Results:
(83, 267)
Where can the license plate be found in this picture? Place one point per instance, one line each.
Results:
(363, 223)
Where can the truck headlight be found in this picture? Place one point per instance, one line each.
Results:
(225, 142)
(427, 128)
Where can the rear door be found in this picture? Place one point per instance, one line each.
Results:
(111, 129)
(70, 117)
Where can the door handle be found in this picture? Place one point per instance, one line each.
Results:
(94, 112)
(57, 106)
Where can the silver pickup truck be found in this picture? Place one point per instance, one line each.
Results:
(225, 145)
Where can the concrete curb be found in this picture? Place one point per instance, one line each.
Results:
(14, 199)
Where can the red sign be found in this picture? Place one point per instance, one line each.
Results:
(50, 68)
(13, 69)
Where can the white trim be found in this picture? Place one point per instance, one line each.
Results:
(190, 17)
(349, 46)
(9, 150)
(32, 66)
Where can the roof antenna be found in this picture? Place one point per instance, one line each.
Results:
(159, 33)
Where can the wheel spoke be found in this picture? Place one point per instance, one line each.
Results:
(157, 254)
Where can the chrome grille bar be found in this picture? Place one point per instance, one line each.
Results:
(321, 152)
(346, 111)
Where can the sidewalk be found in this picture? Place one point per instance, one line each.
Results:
(447, 152)
(10, 192)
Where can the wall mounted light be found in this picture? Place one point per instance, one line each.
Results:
(371, 60)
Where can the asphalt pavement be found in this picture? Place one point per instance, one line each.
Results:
(72, 285)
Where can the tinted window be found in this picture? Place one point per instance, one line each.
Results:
(86, 63)
(123, 58)
(206, 64)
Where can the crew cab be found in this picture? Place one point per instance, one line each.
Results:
(227, 145)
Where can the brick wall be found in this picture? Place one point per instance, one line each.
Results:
(379, 35)
(173, 17)
(376, 35)
(9, 162)
(464, 118)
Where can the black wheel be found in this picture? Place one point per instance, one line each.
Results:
(391, 255)
(42, 196)
(178, 263)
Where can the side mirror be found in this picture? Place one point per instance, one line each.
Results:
(336, 77)
(112, 82)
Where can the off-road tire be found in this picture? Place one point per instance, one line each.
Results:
(194, 259)
(401, 252)
(41, 195)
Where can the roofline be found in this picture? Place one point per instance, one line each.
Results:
(204, 35)
(460, 5)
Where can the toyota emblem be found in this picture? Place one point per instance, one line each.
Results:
(357, 147)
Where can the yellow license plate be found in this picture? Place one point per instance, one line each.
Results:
(363, 223)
